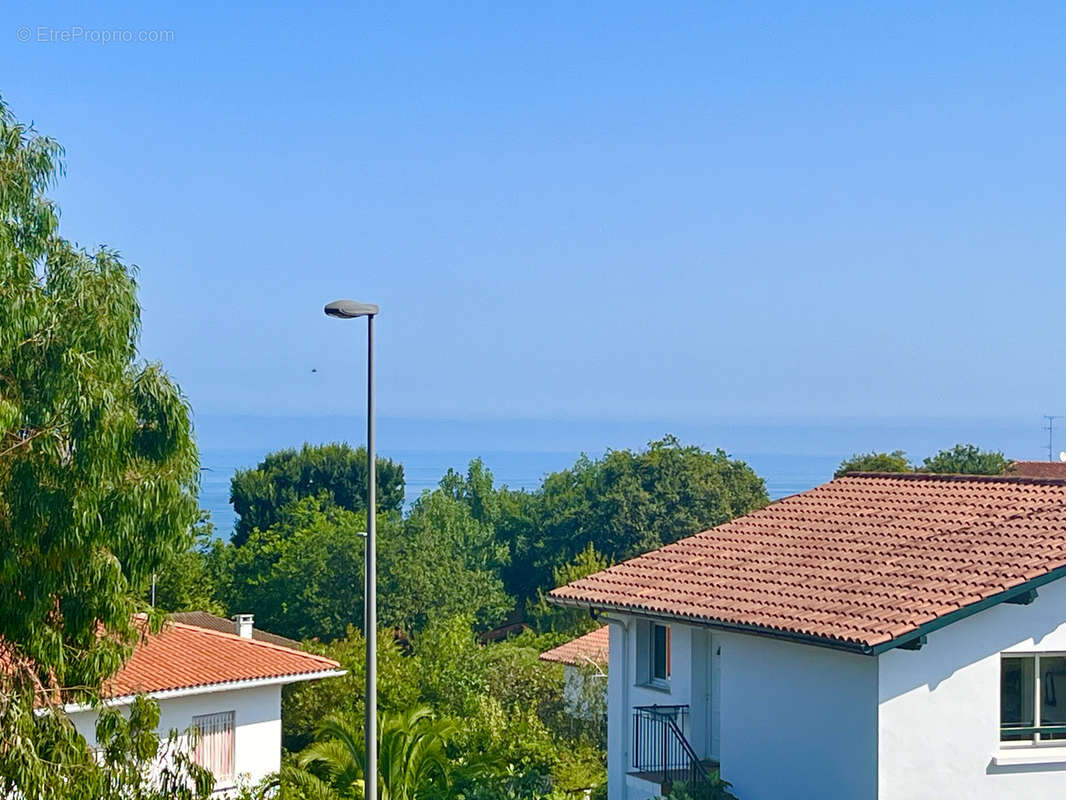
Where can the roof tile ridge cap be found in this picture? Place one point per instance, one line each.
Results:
(256, 642)
(172, 614)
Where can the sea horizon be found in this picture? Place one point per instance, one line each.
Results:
(790, 457)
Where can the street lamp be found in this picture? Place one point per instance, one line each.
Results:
(349, 309)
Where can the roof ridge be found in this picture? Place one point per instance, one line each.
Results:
(254, 642)
(954, 477)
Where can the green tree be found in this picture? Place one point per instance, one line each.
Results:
(400, 679)
(189, 581)
(334, 472)
(546, 616)
(967, 459)
(445, 562)
(98, 469)
(451, 661)
(303, 577)
(515, 740)
(628, 503)
(896, 461)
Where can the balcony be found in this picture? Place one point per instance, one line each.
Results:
(661, 751)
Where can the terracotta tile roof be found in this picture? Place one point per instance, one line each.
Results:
(184, 656)
(1038, 469)
(853, 563)
(202, 619)
(588, 649)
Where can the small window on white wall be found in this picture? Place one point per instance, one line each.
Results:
(660, 652)
(214, 744)
(1029, 691)
(653, 654)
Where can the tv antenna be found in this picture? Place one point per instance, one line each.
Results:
(1050, 428)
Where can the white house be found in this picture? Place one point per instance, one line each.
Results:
(226, 686)
(893, 637)
(584, 661)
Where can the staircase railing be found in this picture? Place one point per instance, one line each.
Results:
(660, 746)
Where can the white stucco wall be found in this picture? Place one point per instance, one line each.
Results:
(584, 691)
(939, 708)
(257, 717)
(685, 687)
(802, 721)
(797, 721)
(793, 720)
(618, 678)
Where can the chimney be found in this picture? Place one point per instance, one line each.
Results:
(244, 625)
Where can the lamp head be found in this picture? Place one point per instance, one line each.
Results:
(349, 309)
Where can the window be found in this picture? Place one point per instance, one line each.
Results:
(214, 744)
(660, 652)
(1029, 707)
(652, 654)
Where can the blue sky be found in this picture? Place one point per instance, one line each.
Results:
(617, 211)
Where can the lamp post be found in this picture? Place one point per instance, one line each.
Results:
(349, 309)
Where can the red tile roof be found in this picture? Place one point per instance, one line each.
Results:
(184, 656)
(854, 563)
(202, 619)
(1038, 469)
(588, 649)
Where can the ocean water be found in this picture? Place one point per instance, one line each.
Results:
(790, 457)
(784, 474)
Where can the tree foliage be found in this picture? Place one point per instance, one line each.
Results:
(189, 580)
(61, 764)
(303, 576)
(545, 616)
(413, 763)
(896, 461)
(962, 459)
(335, 473)
(98, 468)
(471, 547)
(967, 459)
(509, 734)
(446, 560)
(399, 686)
(628, 503)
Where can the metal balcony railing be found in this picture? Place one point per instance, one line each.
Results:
(660, 750)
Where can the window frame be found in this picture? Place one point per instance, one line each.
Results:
(654, 678)
(646, 651)
(1036, 731)
(222, 779)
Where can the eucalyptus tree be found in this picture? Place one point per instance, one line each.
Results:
(97, 471)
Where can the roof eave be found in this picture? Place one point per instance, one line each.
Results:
(971, 609)
(209, 688)
(821, 641)
(734, 627)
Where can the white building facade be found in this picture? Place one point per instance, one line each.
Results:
(879, 637)
(785, 719)
(220, 692)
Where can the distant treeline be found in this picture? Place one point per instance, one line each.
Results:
(467, 547)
